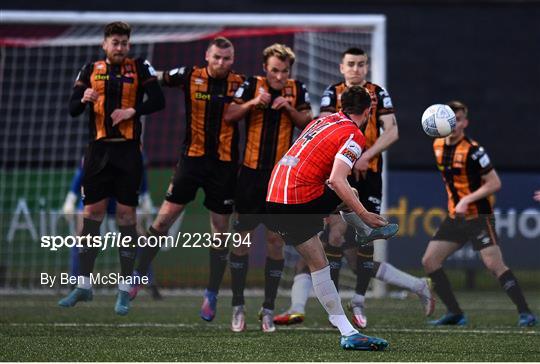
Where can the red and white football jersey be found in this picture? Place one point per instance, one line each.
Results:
(301, 174)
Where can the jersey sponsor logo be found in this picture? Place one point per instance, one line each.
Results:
(101, 77)
(199, 81)
(387, 103)
(325, 101)
(484, 161)
(203, 96)
(100, 66)
(239, 92)
(288, 161)
(478, 153)
(150, 68)
(352, 151)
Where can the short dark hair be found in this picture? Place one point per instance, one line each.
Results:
(220, 42)
(456, 106)
(117, 28)
(355, 100)
(355, 51)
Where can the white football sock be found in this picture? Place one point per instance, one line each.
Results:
(390, 274)
(329, 298)
(358, 299)
(300, 291)
(84, 282)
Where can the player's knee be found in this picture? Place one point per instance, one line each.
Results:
(241, 250)
(495, 266)
(220, 224)
(430, 263)
(275, 247)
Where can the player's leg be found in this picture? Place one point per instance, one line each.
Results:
(326, 292)
(182, 190)
(300, 290)
(239, 264)
(272, 275)
(333, 238)
(219, 188)
(370, 191)
(436, 253)
(127, 176)
(492, 257)
(218, 256)
(126, 220)
(93, 215)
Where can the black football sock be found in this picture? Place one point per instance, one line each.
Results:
(127, 254)
(218, 262)
(442, 287)
(364, 269)
(147, 253)
(511, 286)
(334, 255)
(239, 268)
(87, 254)
(272, 275)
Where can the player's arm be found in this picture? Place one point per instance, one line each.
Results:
(82, 93)
(154, 101)
(491, 183)
(245, 100)
(300, 118)
(338, 182)
(176, 77)
(384, 141)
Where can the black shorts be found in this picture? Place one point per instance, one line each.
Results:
(298, 223)
(370, 193)
(479, 231)
(215, 177)
(250, 198)
(112, 170)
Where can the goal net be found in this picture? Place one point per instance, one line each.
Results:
(41, 145)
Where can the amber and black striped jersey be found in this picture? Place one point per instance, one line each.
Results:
(207, 100)
(381, 104)
(462, 166)
(269, 132)
(119, 87)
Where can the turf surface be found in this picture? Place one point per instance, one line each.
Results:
(33, 328)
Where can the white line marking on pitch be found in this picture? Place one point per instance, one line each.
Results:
(180, 325)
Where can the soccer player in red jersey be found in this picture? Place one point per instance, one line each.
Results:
(307, 184)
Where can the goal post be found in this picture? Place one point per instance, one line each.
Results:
(40, 55)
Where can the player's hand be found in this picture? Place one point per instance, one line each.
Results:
(120, 115)
(68, 208)
(537, 195)
(373, 220)
(263, 100)
(461, 207)
(281, 103)
(360, 167)
(90, 95)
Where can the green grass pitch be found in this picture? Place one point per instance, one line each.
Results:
(33, 328)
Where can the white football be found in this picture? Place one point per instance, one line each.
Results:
(438, 121)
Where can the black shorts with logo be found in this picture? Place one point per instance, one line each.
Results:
(215, 177)
(299, 222)
(479, 231)
(112, 170)
(250, 198)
